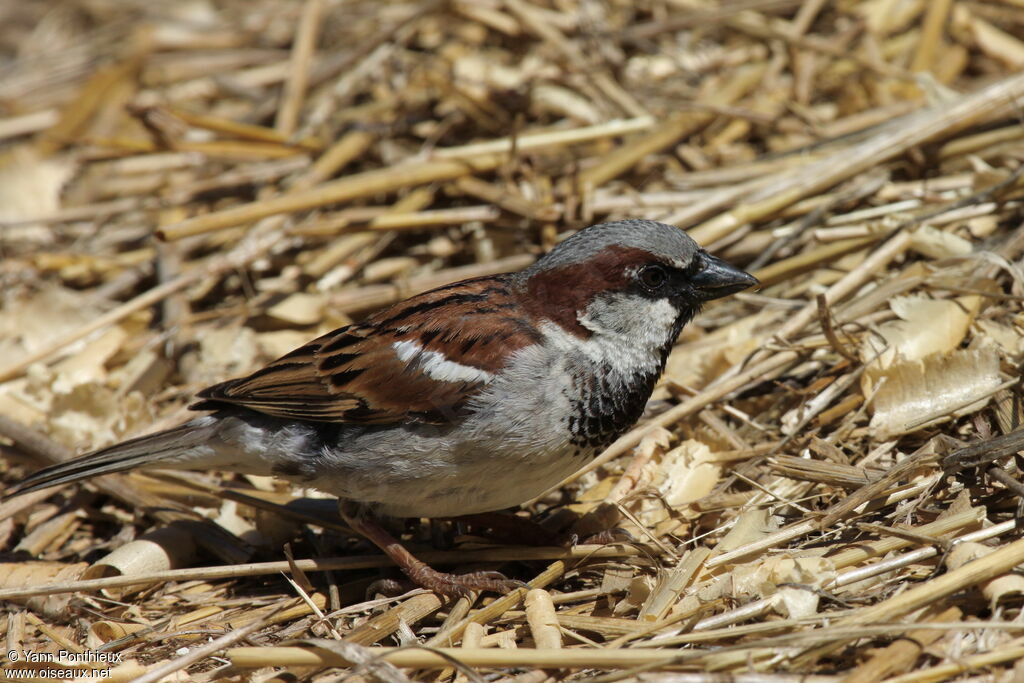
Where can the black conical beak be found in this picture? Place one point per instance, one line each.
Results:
(717, 278)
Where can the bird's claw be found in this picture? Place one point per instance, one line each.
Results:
(606, 537)
(457, 586)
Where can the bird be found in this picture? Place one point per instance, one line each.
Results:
(469, 398)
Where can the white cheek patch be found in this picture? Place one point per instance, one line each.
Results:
(662, 315)
(627, 335)
(620, 354)
(435, 365)
(644, 321)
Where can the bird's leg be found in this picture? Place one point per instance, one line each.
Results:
(450, 585)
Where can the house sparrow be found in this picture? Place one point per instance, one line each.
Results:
(469, 398)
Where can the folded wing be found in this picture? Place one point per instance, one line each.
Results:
(422, 360)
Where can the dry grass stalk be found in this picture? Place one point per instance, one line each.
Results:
(255, 657)
(902, 653)
(544, 623)
(312, 161)
(323, 564)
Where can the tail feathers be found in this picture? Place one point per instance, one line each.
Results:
(162, 449)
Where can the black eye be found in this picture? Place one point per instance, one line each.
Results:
(652, 277)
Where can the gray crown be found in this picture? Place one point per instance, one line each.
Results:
(666, 242)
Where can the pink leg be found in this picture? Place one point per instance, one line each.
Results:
(450, 585)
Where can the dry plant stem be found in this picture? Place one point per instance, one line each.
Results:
(983, 452)
(540, 615)
(81, 213)
(915, 556)
(299, 68)
(76, 115)
(245, 252)
(785, 269)
(160, 672)
(232, 150)
(246, 131)
(872, 490)
(252, 501)
(902, 654)
(655, 442)
(805, 16)
(780, 31)
(409, 612)
(825, 319)
(13, 506)
(931, 35)
(733, 631)
(979, 141)
(456, 614)
(343, 250)
(1007, 480)
(503, 604)
(863, 631)
(803, 528)
(767, 650)
(34, 444)
(327, 564)
(439, 658)
(470, 639)
(445, 165)
(676, 127)
(284, 613)
(347, 149)
(344, 189)
(939, 528)
(612, 90)
(654, 627)
(1007, 652)
(53, 635)
(436, 218)
(847, 285)
(144, 300)
(556, 138)
(706, 17)
(506, 198)
(26, 124)
(671, 586)
(916, 130)
(973, 573)
(251, 174)
(257, 657)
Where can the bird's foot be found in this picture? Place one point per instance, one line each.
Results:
(460, 585)
(606, 537)
(448, 585)
(389, 588)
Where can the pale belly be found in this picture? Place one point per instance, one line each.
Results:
(490, 484)
(497, 460)
(434, 477)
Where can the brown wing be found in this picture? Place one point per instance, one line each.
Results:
(420, 360)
